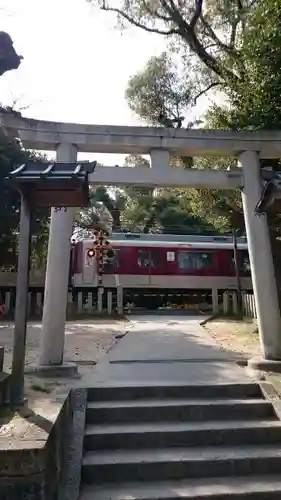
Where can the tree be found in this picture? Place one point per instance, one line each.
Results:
(133, 161)
(212, 30)
(104, 212)
(113, 201)
(220, 208)
(167, 212)
(255, 102)
(94, 218)
(12, 154)
(158, 95)
(259, 91)
(261, 83)
(255, 37)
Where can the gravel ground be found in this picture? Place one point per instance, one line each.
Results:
(85, 343)
(236, 336)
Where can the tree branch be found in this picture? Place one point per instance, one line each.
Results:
(197, 13)
(138, 24)
(233, 34)
(155, 13)
(211, 86)
(168, 8)
(187, 31)
(223, 46)
(235, 23)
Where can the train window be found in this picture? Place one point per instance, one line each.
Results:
(143, 258)
(148, 258)
(195, 260)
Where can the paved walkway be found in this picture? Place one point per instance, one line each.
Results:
(166, 349)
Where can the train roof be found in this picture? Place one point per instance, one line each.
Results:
(170, 240)
(174, 237)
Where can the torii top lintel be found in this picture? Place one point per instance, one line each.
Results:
(46, 135)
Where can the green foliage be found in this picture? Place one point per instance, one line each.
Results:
(253, 35)
(11, 155)
(254, 102)
(168, 211)
(131, 191)
(261, 83)
(157, 94)
(158, 87)
(104, 212)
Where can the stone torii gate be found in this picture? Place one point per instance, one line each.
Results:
(248, 147)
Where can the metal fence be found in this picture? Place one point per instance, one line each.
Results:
(111, 301)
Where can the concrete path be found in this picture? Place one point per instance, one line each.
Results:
(166, 349)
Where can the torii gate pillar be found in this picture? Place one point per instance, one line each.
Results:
(263, 275)
(56, 282)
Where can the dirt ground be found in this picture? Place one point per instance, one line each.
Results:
(240, 337)
(234, 335)
(85, 343)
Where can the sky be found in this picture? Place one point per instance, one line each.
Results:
(76, 63)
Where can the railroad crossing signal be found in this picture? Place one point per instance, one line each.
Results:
(101, 249)
(102, 252)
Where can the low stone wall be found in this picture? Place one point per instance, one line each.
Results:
(34, 455)
(56, 449)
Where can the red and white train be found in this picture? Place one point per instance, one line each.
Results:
(155, 269)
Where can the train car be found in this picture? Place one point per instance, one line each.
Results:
(156, 269)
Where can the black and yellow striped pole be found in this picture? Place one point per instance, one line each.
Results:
(99, 253)
(103, 253)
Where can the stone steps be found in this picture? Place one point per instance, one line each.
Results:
(164, 435)
(143, 410)
(213, 441)
(234, 488)
(133, 392)
(180, 463)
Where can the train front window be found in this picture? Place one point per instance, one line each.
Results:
(115, 262)
(195, 260)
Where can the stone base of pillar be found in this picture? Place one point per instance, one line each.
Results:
(264, 365)
(64, 370)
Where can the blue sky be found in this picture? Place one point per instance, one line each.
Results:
(76, 64)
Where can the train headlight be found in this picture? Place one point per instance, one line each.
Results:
(91, 253)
